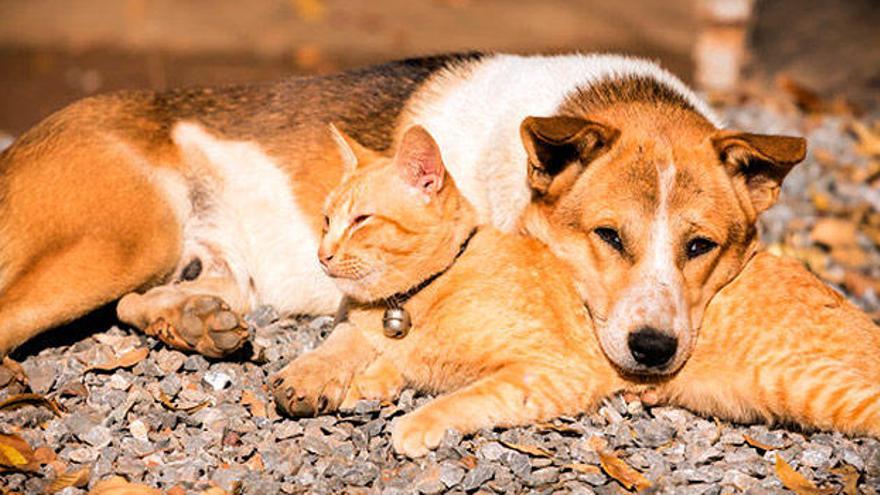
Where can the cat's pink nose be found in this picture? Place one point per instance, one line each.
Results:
(324, 257)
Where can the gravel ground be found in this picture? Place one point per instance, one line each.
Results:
(185, 424)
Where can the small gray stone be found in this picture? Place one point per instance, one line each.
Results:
(169, 360)
(98, 436)
(451, 474)
(195, 362)
(652, 434)
(83, 455)
(218, 380)
(262, 316)
(491, 451)
(517, 462)
(817, 456)
(545, 476)
(477, 476)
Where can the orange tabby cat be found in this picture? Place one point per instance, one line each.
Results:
(499, 328)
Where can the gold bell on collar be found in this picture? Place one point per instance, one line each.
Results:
(396, 322)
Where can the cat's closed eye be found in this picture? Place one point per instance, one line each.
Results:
(359, 220)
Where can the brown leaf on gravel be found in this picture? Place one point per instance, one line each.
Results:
(11, 371)
(16, 454)
(795, 481)
(869, 138)
(468, 462)
(839, 235)
(761, 445)
(118, 485)
(805, 98)
(127, 360)
(170, 405)
(849, 476)
(617, 468)
(583, 468)
(256, 406)
(21, 400)
(532, 450)
(78, 478)
(44, 455)
(563, 429)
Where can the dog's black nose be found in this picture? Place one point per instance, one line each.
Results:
(651, 347)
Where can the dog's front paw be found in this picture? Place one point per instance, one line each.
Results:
(309, 386)
(417, 433)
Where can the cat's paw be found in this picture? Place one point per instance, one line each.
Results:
(384, 384)
(417, 433)
(309, 386)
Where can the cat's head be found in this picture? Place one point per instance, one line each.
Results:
(392, 222)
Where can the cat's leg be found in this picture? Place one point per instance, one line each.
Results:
(514, 395)
(317, 381)
(380, 381)
(203, 315)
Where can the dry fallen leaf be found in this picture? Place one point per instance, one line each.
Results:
(795, 481)
(761, 445)
(583, 468)
(840, 236)
(10, 370)
(532, 450)
(78, 478)
(805, 98)
(166, 401)
(21, 400)
(468, 462)
(118, 485)
(126, 360)
(869, 138)
(563, 429)
(16, 454)
(617, 468)
(849, 475)
(253, 403)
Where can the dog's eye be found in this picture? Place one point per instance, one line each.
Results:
(699, 246)
(326, 223)
(359, 220)
(611, 237)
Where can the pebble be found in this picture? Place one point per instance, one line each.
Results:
(218, 380)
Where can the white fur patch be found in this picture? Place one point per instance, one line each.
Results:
(252, 219)
(475, 118)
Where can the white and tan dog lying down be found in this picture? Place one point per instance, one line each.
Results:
(194, 206)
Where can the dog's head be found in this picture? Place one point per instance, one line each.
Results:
(654, 209)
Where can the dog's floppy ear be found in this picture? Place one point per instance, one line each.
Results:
(761, 160)
(552, 143)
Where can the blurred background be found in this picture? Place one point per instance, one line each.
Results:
(804, 67)
(55, 51)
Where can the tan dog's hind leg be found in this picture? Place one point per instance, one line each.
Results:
(203, 315)
(78, 229)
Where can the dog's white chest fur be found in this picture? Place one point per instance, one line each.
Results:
(250, 222)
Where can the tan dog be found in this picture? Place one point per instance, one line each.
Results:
(500, 334)
(209, 199)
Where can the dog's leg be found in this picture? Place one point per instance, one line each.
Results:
(76, 233)
(515, 395)
(380, 381)
(317, 381)
(202, 315)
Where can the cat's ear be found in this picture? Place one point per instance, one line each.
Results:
(353, 153)
(418, 161)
